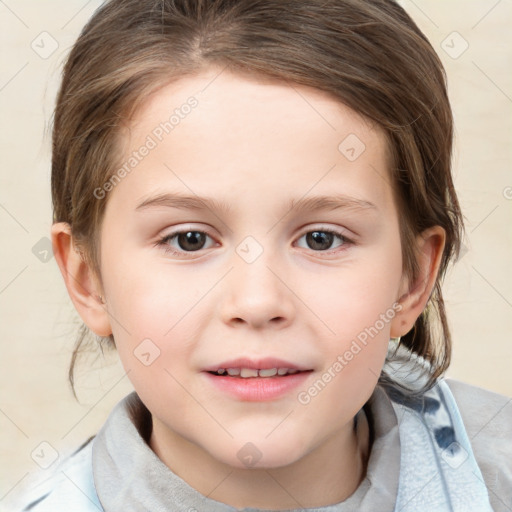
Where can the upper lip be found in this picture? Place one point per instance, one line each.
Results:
(256, 364)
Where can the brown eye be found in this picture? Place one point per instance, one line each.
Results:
(319, 240)
(180, 243)
(191, 240)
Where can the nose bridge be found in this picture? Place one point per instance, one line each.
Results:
(254, 294)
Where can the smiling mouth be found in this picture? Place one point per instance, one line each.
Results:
(249, 373)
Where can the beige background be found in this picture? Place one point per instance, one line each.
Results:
(38, 323)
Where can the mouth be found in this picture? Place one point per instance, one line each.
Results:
(255, 381)
(248, 368)
(251, 373)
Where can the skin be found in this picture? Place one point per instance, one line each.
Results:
(254, 145)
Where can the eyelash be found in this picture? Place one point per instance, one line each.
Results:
(164, 241)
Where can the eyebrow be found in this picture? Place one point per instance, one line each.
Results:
(184, 202)
(309, 204)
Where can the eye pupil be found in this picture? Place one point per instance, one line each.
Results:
(319, 240)
(191, 240)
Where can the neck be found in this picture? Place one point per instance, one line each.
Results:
(328, 474)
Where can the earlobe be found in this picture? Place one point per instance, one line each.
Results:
(430, 246)
(80, 280)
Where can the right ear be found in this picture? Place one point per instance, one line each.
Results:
(80, 279)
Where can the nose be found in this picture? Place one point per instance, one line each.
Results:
(255, 295)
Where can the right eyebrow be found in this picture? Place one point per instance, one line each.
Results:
(184, 202)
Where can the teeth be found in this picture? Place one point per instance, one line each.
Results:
(268, 373)
(246, 373)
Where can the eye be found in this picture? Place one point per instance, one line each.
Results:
(323, 239)
(182, 242)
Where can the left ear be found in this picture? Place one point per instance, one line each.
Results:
(430, 246)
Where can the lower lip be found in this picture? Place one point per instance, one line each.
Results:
(258, 389)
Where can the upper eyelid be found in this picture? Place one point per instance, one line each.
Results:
(339, 233)
(172, 234)
(343, 232)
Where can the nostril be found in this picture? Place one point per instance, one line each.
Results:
(277, 320)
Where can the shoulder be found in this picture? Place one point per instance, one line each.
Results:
(487, 417)
(485, 414)
(69, 487)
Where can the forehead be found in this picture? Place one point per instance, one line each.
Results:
(227, 132)
(246, 101)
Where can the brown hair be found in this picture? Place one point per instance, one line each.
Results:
(368, 54)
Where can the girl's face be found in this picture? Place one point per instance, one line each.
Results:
(253, 227)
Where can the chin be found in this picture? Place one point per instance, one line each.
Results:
(261, 453)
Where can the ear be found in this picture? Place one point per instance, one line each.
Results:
(81, 282)
(414, 296)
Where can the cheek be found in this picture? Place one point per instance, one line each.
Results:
(151, 315)
(356, 298)
(356, 308)
(353, 356)
(149, 301)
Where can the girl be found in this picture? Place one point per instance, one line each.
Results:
(253, 204)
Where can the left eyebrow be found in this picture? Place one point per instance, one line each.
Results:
(316, 203)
